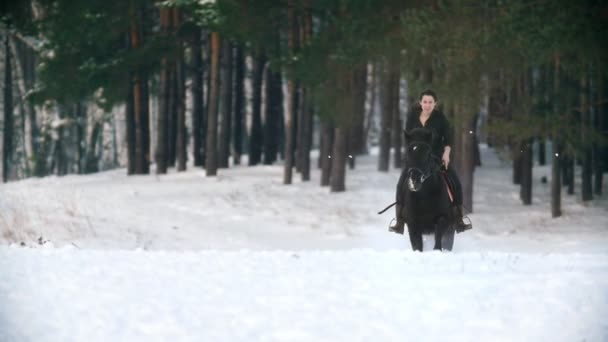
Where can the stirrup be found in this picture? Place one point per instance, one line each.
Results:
(462, 226)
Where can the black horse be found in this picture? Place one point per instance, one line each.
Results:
(423, 201)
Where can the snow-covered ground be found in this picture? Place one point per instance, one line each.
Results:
(241, 257)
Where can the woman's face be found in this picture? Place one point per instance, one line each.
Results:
(427, 102)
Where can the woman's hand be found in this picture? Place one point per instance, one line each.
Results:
(446, 158)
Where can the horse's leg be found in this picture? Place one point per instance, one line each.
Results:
(415, 238)
(447, 240)
(438, 234)
(444, 235)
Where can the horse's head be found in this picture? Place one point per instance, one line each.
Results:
(419, 159)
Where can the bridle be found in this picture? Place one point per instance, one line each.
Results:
(432, 166)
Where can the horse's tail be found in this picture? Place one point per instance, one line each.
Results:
(387, 208)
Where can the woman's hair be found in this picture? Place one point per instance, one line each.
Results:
(428, 92)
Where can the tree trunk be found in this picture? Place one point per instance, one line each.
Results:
(92, 163)
(327, 145)
(386, 120)
(556, 186)
(291, 93)
(162, 135)
(211, 145)
(294, 127)
(25, 68)
(599, 123)
(372, 89)
(81, 116)
(476, 149)
(172, 116)
(130, 123)
(198, 114)
(239, 104)
(338, 165)
(305, 142)
(256, 135)
(225, 106)
(115, 162)
(359, 128)
(7, 143)
(60, 161)
(586, 190)
(181, 143)
(526, 173)
(557, 158)
(274, 116)
(140, 111)
(397, 123)
(517, 162)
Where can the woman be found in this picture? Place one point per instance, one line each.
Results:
(428, 117)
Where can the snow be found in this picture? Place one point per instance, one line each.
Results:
(242, 257)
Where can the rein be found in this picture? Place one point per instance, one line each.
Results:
(434, 165)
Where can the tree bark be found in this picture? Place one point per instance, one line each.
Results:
(306, 112)
(181, 143)
(327, 145)
(130, 123)
(372, 89)
(274, 116)
(25, 66)
(291, 90)
(198, 114)
(386, 120)
(599, 123)
(140, 99)
(556, 167)
(397, 123)
(305, 143)
(92, 162)
(162, 134)
(211, 146)
(239, 104)
(338, 165)
(256, 136)
(359, 128)
(586, 190)
(81, 116)
(59, 151)
(526, 172)
(226, 105)
(7, 145)
(556, 186)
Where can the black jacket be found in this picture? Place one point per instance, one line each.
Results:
(437, 123)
